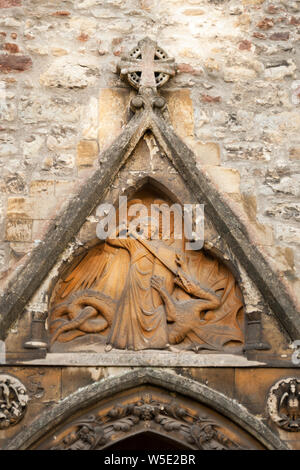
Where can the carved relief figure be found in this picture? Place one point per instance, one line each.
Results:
(13, 401)
(147, 293)
(284, 404)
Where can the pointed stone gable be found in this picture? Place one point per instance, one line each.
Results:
(68, 223)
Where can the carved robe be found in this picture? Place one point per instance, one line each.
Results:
(138, 322)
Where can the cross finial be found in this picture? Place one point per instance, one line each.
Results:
(147, 65)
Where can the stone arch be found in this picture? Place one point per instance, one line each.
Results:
(156, 184)
(147, 189)
(86, 399)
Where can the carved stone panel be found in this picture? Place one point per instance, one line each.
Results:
(284, 404)
(13, 401)
(134, 292)
(149, 410)
(147, 65)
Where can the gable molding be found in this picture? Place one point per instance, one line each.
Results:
(25, 282)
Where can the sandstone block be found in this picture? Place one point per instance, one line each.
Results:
(87, 152)
(112, 114)
(181, 112)
(41, 207)
(90, 119)
(253, 2)
(206, 153)
(41, 187)
(295, 153)
(65, 187)
(14, 183)
(83, 24)
(18, 230)
(19, 208)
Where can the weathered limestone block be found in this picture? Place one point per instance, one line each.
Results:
(32, 147)
(7, 146)
(287, 235)
(13, 183)
(83, 24)
(226, 179)
(289, 211)
(71, 72)
(241, 151)
(289, 185)
(294, 153)
(7, 112)
(282, 258)
(278, 72)
(62, 138)
(180, 107)
(206, 153)
(10, 3)
(35, 109)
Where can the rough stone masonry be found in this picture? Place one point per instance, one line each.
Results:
(61, 102)
(234, 101)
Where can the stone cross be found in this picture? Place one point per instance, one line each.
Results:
(151, 61)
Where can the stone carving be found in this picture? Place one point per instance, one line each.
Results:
(146, 68)
(37, 338)
(96, 432)
(13, 401)
(134, 293)
(147, 65)
(284, 404)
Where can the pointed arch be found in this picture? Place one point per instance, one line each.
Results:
(91, 395)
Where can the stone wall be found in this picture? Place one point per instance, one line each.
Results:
(237, 70)
(61, 102)
(234, 101)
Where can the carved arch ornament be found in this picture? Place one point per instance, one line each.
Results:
(151, 401)
(149, 111)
